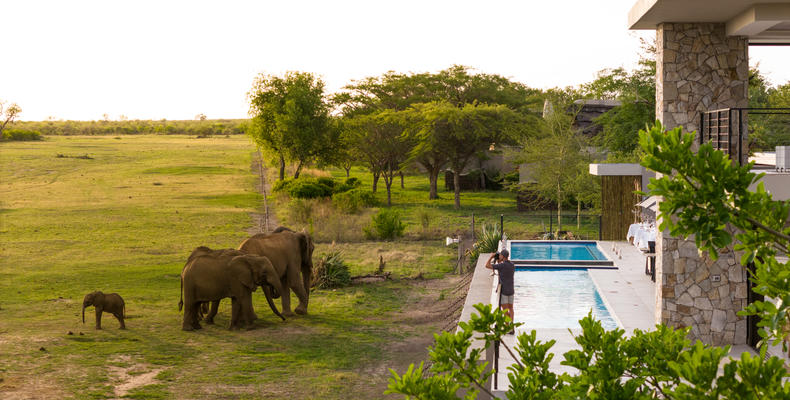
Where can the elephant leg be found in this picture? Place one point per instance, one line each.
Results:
(234, 313)
(286, 299)
(295, 283)
(248, 313)
(209, 319)
(187, 325)
(119, 316)
(98, 317)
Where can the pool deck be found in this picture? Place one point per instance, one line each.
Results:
(627, 291)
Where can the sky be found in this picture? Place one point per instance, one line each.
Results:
(80, 60)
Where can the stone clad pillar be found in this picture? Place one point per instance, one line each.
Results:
(699, 68)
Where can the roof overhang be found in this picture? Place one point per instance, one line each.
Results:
(762, 21)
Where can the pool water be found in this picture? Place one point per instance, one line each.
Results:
(576, 251)
(557, 298)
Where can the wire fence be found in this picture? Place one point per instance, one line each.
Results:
(548, 226)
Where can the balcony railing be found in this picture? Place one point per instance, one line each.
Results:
(726, 128)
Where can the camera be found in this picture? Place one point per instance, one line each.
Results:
(496, 255)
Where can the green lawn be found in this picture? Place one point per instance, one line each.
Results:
(123, 219)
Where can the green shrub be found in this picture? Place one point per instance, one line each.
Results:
(331, 271)
(10, 135)
(354, 200)
(305, 187)
(386, 224)
(349, 184)
(282, 185)
(328, 182)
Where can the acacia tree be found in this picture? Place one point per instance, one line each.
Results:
(7, 115)
(706, 195)
(290, 118)
(378, 139)
(456, 86)
(462, 132)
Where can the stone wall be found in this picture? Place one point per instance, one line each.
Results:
(699, 68)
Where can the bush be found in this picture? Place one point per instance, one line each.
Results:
(386, 224)
(331, 272)
(349, 184)
(302, 210)
(328, 182)
(354, 200)
(305, 187)
(10, 135)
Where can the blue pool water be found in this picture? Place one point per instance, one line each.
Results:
(557, 298)
(577, 251)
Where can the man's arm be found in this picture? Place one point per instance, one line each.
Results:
(488, 263)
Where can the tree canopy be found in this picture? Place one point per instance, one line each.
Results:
(290, 117)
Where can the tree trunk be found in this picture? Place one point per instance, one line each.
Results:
(457, 184)
(282, 167)
(388, 178)
(401, 180)
(375, 181)
(348, 171)
(433, 177)
(298, 170)
(559, 207)
(578, 215)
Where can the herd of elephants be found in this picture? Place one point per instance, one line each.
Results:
(277, 262)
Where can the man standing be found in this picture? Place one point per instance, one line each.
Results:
(506, 270)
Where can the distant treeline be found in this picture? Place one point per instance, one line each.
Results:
(206, 127)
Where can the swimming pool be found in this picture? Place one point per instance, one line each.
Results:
(557, 299)
(560, 253)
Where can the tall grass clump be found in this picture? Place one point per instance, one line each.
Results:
(354, 200)
(387, 224)
(487, 242)
(331, 271)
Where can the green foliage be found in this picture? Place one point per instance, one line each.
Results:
(709, 196)
(305, 187)
(291, 118)
(354, 200)
(331, 271)
(609, 365)
(487, 242)
(21, 135)
(349, 184)
(386, 224)
(767, 131)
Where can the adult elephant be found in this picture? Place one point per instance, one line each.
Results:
(211, 275)
(291, 254)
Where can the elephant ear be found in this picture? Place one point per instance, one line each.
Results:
(244, 271)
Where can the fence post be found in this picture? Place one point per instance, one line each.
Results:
(473, 227)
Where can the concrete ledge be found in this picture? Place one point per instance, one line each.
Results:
(622, 169)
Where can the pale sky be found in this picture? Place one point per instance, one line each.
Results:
(176, 59)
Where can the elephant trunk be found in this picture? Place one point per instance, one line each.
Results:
(267, 291)
(83, 313)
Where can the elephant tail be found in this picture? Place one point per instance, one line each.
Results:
(181, 295)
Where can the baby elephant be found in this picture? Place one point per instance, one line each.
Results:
(111, 303)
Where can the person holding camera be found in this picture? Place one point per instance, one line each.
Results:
(506, 271)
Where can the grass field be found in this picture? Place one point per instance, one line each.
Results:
(120, 214)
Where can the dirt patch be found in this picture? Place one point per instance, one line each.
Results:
(431, 308)
(131, 377)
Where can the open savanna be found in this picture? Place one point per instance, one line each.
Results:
(121, 214)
